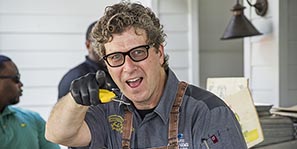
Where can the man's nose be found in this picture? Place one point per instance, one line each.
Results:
(20, 84)
(129, 63)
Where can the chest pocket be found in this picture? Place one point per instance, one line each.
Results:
(173, 122)
(217, 140)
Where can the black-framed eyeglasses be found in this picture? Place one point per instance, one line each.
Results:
(137, 54)
(15, 78)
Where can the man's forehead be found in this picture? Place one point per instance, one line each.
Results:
(129, 36)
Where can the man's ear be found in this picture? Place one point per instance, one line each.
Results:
(161, 54)
(88, 44)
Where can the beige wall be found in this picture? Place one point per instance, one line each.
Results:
(291, 45)
(218, 58)
(45, 39)
(270, 59)
(181, 41)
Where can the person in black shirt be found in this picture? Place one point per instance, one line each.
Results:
(90, 65)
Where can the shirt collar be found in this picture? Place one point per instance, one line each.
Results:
(7, 111)
(168, 97)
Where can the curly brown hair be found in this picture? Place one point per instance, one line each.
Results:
(118, 17)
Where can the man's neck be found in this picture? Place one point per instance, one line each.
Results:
(143, 113)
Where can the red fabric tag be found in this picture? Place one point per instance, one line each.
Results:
(214, 139)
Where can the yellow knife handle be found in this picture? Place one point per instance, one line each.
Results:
(106, 96)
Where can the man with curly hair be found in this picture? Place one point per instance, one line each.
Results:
(153, 108)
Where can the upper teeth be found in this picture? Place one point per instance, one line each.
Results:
(133, 80)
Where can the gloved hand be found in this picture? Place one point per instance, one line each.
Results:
(85, 89)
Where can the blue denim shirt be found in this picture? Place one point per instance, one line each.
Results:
(205, 122)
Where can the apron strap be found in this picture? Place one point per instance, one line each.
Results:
(174, 115)
(173, 121)
(127, 129)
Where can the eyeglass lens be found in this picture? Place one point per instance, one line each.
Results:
(137, 54)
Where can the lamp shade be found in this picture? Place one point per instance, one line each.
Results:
(239, 26)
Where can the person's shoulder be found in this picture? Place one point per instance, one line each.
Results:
(72, 74)
(75, 70)
(209, 99)
(25, 113)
